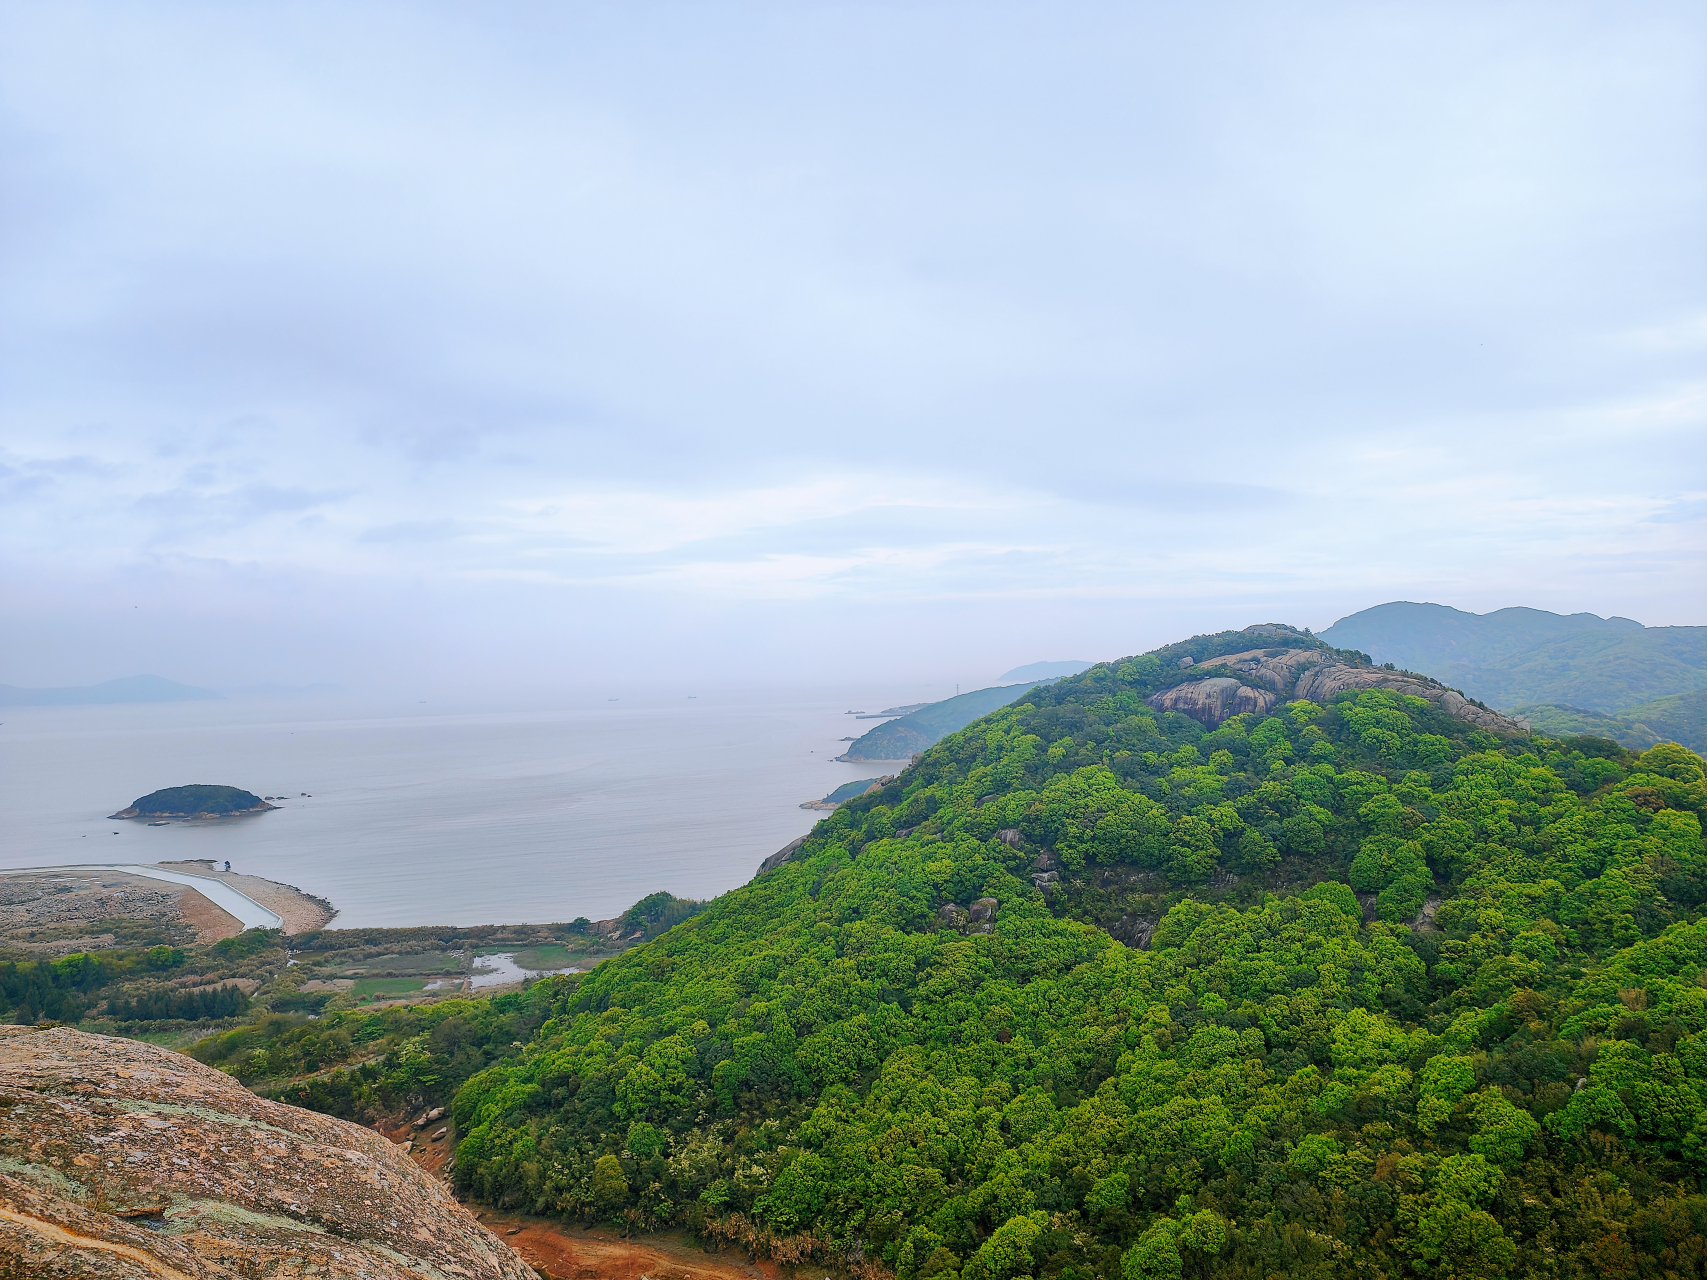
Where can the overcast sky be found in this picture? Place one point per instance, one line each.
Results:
(506, 345)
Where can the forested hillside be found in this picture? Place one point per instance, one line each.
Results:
(1682, 717)
(1609, 676)
(1442, 640)
(910, 734)
(1412, 1000)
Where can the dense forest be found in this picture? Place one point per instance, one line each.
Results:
(1404, 999)
(358, 1065)
(64, 990)
(223, 1001)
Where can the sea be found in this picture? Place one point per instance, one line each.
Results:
(411, 814)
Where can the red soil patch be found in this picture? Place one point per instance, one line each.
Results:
(210, 921)
(561, 1252)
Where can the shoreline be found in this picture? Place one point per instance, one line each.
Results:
(133, 814)
(299, 912)
(69, 896)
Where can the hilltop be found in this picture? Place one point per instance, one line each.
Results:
(1428, 637)
(1242, 957)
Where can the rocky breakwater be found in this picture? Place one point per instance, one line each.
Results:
(122, 1159)
(1257, 680)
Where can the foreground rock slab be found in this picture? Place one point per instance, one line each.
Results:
(120, 1159)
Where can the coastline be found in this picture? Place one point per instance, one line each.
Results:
(301, 912)
(551, 817)
(59, 909)
(161, 819)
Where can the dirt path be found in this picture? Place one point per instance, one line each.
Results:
(561, 1252)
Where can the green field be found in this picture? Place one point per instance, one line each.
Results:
(386, 986)
(550, 956)
(420, 962)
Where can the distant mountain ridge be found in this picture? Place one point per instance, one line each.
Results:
(1682, 717)
(911, 734)
(1635, 683)
(126, 689)
(1044, 671)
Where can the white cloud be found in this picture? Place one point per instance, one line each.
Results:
(1045, 320)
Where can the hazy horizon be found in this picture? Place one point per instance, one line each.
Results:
(583, 689)
(421, 348)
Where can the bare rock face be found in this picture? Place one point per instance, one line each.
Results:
(1134, 931)
(1322, 683)
(1212, 701)
(1276, 669)
(1315, 674)
(781, 856)
(121, 1159)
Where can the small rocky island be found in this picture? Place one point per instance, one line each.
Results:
(200, 800)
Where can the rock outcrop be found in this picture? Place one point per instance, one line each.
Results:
(1215, 699)
(781, 856)
(121, 1159)
(1263, 678)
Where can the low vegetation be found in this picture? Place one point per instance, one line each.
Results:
(359, 1065)
(261, 986)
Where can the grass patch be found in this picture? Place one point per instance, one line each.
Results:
(423, 962)
(178, 1039)
(386, 986)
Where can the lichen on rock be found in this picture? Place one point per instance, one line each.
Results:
(119, 1158)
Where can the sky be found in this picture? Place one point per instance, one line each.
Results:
(527, 346)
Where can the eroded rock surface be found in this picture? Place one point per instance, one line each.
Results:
(1213, 700)
(1267, 677)
(120, 1159)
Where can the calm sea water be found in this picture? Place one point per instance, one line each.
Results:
(421, 817)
